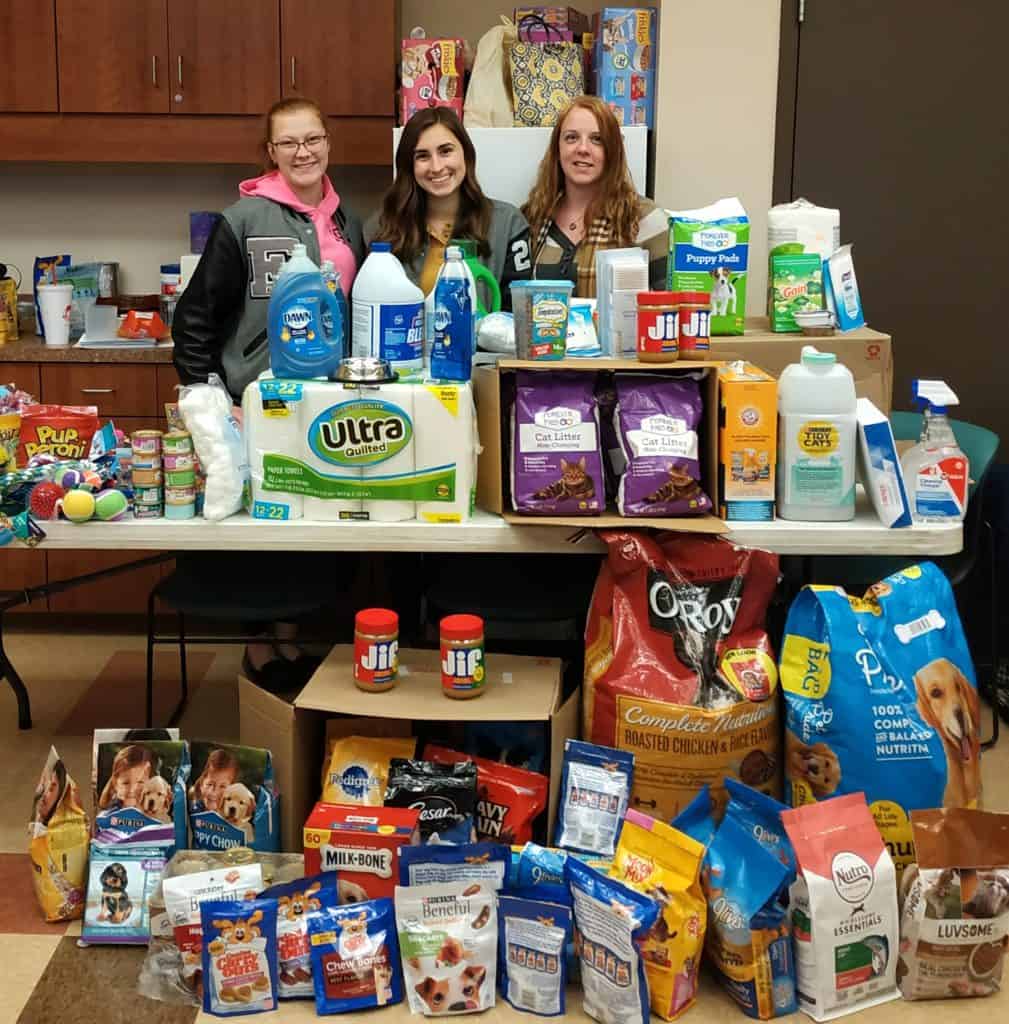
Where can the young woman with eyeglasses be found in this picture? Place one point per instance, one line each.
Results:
(220, 327)
(220, 321)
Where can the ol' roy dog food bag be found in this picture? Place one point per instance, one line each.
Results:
(239, 956)
(844, 908)
(232, 801)
(556, 461)
(679, 670)
(361, 844)
(955, 905)
(664, 865)
(709, 251)
(880, 698)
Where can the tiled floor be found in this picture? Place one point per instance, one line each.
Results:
(78, 682)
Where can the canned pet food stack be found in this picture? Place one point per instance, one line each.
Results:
(180, 475)
(148, 477)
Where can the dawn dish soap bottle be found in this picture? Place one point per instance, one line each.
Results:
(936, 471)
(454, 320)
(334, 283)
(304, 323)
(388, 311)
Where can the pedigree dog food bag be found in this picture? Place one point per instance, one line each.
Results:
(679, 669)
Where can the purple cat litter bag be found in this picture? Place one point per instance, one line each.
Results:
(556, 465)
(656, 420)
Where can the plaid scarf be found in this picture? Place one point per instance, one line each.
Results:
(598, 236)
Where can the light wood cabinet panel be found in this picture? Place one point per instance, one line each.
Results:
(117, 389)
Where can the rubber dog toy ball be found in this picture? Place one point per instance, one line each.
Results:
(43, 499)
(70, 479)
(110, 506)
(91, 480)
(78, 506)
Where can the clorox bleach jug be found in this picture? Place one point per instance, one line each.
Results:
(388, 311)
(304, 323)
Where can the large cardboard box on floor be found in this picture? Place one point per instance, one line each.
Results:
(867, 353)
(518, 690)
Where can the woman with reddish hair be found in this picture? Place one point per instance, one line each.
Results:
(584, 200)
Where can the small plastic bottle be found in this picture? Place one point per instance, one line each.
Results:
(454, 320)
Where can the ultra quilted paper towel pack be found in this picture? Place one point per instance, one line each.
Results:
(385, 452)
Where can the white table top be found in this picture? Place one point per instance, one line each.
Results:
(486, 533)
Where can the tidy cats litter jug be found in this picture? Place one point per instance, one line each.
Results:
(816, 439)
(388, 311)
(304, 323)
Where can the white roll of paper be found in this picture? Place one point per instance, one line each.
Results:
(446, 450)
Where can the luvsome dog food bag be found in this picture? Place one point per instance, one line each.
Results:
(881, 699)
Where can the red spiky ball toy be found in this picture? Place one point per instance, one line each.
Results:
(43, 499)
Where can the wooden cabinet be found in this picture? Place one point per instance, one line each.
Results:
(113, 56)
(224, 56)
(20, 568)
(168, 382)
(27, 56)
(341, 54)
(118, 389)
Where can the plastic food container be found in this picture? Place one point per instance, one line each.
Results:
(376, 649)
(463, 673)
(541, 311)
(658, 334)
(693, 323)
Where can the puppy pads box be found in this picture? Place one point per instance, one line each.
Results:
(518, 690)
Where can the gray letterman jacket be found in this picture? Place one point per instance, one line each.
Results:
(220, 320)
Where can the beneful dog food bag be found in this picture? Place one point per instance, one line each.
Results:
(749, 939)
(121, 880)
(448, 940)
(595, 787)
(556, 462)
(955, 905)
(58, 842)
(509, 799)
(664, 865)
(357, 768)
(844, 908)
(297, 902)
(881, 699)
(533, 938)
(355, 957)
(232, 801)
(239, 956)
(443, 794)
(611, 924)
(656, 420)
(440, 863)
(361, 844)
(679, 669)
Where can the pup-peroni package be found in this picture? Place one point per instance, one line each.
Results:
(239, 956)
(595, 787)
(654, 859)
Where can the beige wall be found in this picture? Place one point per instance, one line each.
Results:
(714, 137)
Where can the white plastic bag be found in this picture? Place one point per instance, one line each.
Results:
(488, 96)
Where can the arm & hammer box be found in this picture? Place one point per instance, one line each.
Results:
(747, 442)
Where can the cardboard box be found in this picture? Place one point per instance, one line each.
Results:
(867, 353)
(624, 62)
(567, 20)
(518, 690)
(747, 443)
(495, 391)
(431, 73)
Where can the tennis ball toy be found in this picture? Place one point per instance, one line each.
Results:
(70, 479)
(43, 499)
(90, 480)
(78, 506)
(110, 506)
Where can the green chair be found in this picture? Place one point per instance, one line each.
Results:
(857, 574)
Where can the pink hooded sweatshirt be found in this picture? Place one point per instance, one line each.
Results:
(332, 245)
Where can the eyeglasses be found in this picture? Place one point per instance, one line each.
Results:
(291, 146)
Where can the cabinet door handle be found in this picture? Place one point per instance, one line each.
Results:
(294, 84)
(98, 391)
(180, 70)
(154, 71)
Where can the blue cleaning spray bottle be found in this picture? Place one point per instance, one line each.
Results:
(305, 324)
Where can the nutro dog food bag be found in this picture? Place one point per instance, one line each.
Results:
(239, 956)
(361, 844)
(438, 863)
(533, 937)
(357, 768)
(844, 908)
(955, 905)
(679, 669)
(595, 787)
(355, 957)
(232, 801)
(881, 699)
(509, 799)
(448, 940)
(443, 794)
(664, 865)
(611, 924)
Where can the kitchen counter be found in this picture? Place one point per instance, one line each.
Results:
(30, 348)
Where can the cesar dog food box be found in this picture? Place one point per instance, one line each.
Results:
(338, 452)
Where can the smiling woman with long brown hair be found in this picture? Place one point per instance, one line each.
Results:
(584, 200)
(435, 197)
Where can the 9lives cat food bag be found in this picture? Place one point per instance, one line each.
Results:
(556, 463)
(679, 669)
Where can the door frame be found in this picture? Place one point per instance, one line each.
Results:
(788, 85)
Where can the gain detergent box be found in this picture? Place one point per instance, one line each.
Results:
(794, 283)
(709, 252)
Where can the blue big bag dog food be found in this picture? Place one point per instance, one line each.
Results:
(232, 801)
(881, 698)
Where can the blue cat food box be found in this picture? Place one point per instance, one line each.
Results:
(624, 62)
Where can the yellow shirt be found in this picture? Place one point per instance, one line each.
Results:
(433, 260)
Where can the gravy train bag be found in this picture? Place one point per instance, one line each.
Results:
(955, 905)
(881, 699)
(679, 669)
(664, 865)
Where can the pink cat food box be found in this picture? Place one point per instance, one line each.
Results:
(431, 73)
